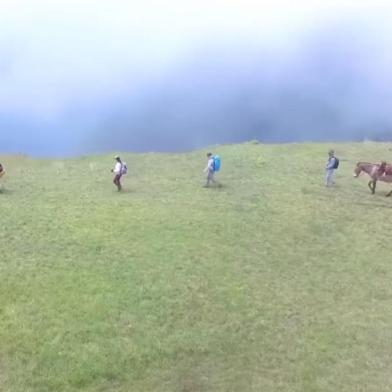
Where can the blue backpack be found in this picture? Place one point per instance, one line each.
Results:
(217, 163)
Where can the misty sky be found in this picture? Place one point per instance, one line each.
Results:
(91, 76)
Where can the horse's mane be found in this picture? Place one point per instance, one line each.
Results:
(374, 164)
(367, 163)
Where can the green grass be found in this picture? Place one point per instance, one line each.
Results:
(269, 283)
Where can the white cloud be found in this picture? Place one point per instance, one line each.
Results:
(52, 49)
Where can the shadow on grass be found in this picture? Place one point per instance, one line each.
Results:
(216, 187)
(6, 191)
(321, 190)
(378, 205)
(377, 200)
(366, 198)
(124, 191)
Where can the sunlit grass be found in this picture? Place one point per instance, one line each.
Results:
(269, 283)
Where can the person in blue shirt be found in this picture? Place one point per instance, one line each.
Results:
(330, 168)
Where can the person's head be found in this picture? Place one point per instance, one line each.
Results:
(331, 153)
(209, 155)
(117, 158)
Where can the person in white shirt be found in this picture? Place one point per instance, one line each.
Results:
(117, 172)
(210, 170)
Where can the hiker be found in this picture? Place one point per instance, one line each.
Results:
(209, 170)
(119, 170)
(2, 172)
(332, 165)
(213, 165)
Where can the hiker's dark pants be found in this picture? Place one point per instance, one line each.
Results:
(117, 181)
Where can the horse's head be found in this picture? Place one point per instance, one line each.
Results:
(357, 170)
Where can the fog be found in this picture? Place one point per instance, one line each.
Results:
(96, 76)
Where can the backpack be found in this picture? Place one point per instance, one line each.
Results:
(336, 164)
(124, 169)
(217, 163)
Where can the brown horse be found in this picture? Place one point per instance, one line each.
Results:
(382, 172)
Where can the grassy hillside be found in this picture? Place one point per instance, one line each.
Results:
(269, 283)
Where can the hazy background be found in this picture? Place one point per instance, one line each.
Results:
(90, 76)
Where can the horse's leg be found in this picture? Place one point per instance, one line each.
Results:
(374, 186)
(389, 194)
(371, 186)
